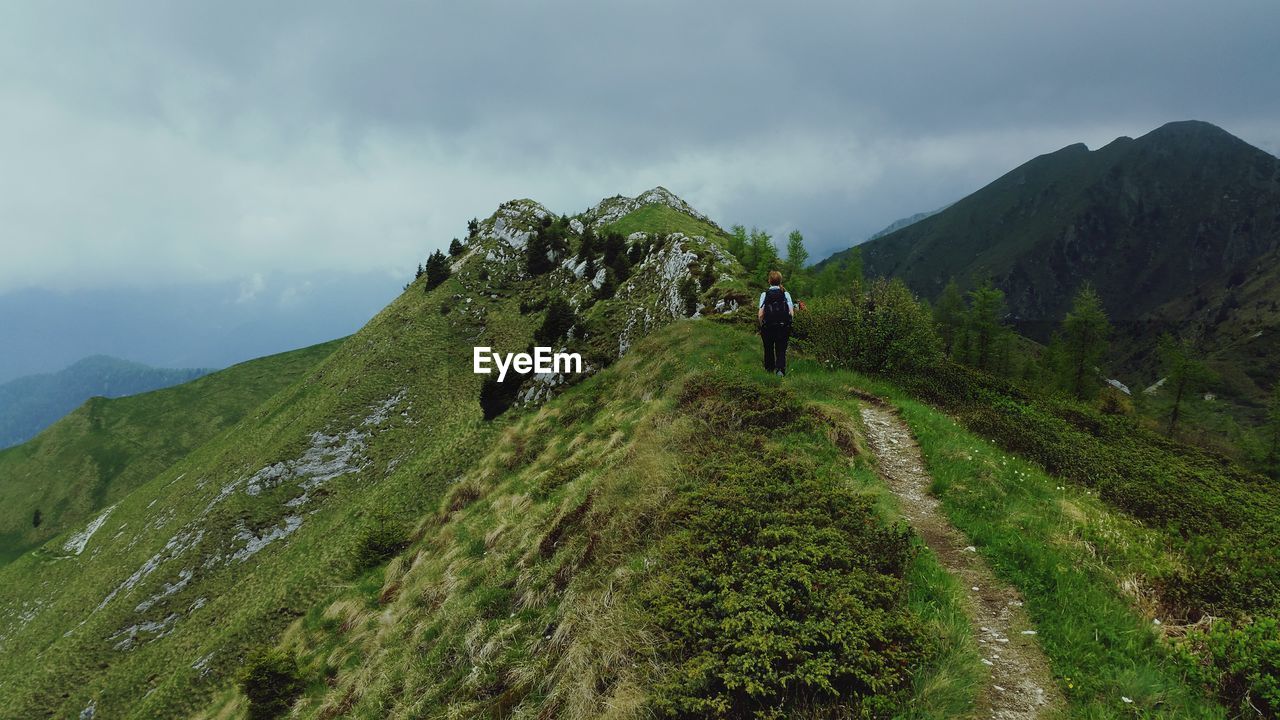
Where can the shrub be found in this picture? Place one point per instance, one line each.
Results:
(496, 397)
(382, 539)
(271, 680)
(882, 330)
(1239, 662)
(780, 588)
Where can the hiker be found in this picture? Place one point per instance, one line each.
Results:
(776, 310)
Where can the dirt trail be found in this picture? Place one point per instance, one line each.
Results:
(1021, 684)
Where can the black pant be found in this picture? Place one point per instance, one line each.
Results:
(775, 347)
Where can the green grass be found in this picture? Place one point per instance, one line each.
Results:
(166, 554)
(1084, 570)
(521, 594)
(666, 220)
(100, 452)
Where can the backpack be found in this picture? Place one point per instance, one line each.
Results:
(776, 312)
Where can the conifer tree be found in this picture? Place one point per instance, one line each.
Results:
(708, 277)
(761, 253)
(984, 327)
(536, 258)
(609, 286)
(588, 245)
(437, 270)
(1273, 432)
(455, 248)
(555, 325)
(1185, 375)
(797, 255)
(949, 316)
(1084, 343)
(689, 295)
(36, 518)
(738, 243)
(473, 227)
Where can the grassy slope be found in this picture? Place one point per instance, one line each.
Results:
(32, 403)
(163, 568)
(1084, 568)
(462, 623)
(663, 219)
(228, 605)
(523, 593)
(103, 450)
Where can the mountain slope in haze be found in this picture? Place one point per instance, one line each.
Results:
(104, 449)
(146, 610)
(1176, 230)
(900, 223)
(30, 404)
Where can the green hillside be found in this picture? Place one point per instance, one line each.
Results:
(30, 404)
(1145, 221)
(100, 452)
(1177, 231)
(679, 534)
(254, 526)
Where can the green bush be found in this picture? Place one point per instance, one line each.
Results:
(380, 540)
(883, 329)
(271, 680)
(1239, 662)
(781, 588)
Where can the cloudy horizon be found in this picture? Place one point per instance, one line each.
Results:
(149, 143)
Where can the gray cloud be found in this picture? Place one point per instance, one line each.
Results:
(220, 140)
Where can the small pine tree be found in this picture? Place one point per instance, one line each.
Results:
(437, 270)
(496, 397)
(708, 277)
(608, 286)
(36, 518)
(1185, 375)
(536, 254)
(762, 256)
(1084, 342)
(588, 246)
(948, 314)
(271, 679)
(689, 295)
(418, 274)
(738, 243)
(615, 256)
(455, 248)
(555, 325)
(1273, 431)
(473, 228)
(797, 255)
(984, 327)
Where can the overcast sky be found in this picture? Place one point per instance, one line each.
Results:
(143, 143)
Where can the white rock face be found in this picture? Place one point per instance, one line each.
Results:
(76, 543)
(1118, 385)
(253, 544)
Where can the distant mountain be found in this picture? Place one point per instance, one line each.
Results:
(201, 323)
(1178, 229)
(107, 447)
(30, 404)
(900, 223)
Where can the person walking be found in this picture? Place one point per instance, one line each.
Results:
(775, 313)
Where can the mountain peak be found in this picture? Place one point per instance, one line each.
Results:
(612, 209)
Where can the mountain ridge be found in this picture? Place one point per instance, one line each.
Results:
(31, 403)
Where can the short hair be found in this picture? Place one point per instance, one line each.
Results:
(775, 277)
